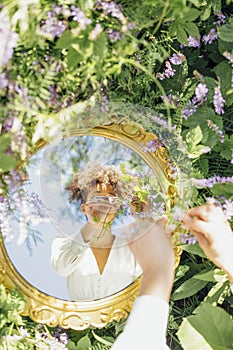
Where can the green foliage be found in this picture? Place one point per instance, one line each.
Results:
(210, 328)
(54, 77)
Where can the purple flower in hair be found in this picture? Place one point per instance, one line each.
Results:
(209, 38)
(200, 92)
(218, 100)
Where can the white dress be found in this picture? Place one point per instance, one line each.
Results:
(72, 258)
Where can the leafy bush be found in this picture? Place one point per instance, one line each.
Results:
(175, 57)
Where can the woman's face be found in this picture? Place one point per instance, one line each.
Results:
(100, 208)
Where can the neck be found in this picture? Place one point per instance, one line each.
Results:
(97, 236)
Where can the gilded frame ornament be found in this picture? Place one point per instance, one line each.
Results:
(52, 311)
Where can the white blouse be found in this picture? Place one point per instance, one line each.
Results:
(146, 326)
(72, 258)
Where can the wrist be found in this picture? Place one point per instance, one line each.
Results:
(157, 284)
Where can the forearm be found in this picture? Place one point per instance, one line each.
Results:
(157, 284)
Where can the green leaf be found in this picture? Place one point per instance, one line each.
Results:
(100, 47)
(210, 323)
(5, 141)
(188, 288)
(65, 40)
(192, 29)
(193, 249)
(206, 275)
(181, 271)
(103, 340)
(218, 292)
(190, 338)
(223, 71)
(224, 189)
(193, 137)
(84, 343)
(181, 34)
(192, 14)
(225, 31)
(7, 162)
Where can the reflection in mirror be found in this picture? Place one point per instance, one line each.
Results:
(93, 191)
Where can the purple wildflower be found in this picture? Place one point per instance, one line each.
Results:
(200, 92)
(177, 58)
(7, 124)
(3, 81)
(209, 38)
(221, 18)
(131, 25)
(8, 41)
(114, 35)
(216, 129)
(162, 122)
(218, 100)
(52, 27)
(232, 158)
(169, 71)
(161, 76)
(173, 174)
(95, 32)
(210, 182)
(187, 238)
(104, 103)
(110, 7)
(193, 42)
(152, 146)
(190, 108)
(170, 100)
(21, 206)
(61, 335)
(80, 17)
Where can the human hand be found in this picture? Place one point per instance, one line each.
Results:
(152, 248)
(208, 223)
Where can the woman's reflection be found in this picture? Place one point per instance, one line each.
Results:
(96, 260)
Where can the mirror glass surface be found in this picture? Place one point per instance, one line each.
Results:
(55, 222)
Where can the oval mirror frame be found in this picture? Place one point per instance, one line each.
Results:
(43, 308)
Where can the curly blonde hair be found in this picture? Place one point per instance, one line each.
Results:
(93, 174)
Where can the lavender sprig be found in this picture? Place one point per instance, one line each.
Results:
(177, 58)
(210, 37)
(8, 40)
(201, 93)
(210, 182)
(218, 100)
(216, 129)
(194, 41)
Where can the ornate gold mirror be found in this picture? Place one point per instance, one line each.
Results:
(31, 262)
